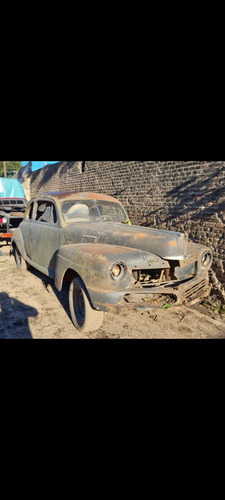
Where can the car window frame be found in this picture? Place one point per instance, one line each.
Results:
(35, 208)
(28, 218)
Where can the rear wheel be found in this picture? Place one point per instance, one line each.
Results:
(20, 262)
(85, 319)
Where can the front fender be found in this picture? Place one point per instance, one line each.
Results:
(92, 262)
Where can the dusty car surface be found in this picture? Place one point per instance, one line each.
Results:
(88, 240)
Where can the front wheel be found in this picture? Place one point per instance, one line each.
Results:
(85, 319)
(20, 262)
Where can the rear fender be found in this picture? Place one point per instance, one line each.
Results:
(17, 240)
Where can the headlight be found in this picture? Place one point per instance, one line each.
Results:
(206, 259)
(117, 271)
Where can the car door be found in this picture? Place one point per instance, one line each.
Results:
(44, 236)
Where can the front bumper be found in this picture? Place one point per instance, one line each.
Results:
(188, 292)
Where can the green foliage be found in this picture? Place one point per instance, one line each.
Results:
(220, 308)
(11, 166)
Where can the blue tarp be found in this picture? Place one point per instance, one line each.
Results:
(38, 164)
(11, 188)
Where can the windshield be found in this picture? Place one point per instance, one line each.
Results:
(93, 211)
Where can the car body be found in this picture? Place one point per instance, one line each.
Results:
(11, 215)
(87, 239)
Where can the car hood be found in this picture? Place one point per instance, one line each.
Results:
(165, 244)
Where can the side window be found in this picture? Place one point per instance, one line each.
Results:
(46, 212)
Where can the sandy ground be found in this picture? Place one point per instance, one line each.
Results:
(31, 308)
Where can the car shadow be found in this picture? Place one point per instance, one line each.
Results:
(49, 284)
(14, 318)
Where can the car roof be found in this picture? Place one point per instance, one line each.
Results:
(62, 196)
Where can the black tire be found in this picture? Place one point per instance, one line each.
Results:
(20, 262)
(84, 317)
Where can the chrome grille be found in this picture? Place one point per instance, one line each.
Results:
(191, 292)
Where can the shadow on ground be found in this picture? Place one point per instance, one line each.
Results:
(49, 284)
(11, 324)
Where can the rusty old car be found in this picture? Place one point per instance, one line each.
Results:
(88, 240)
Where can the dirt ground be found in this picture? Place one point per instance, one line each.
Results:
(31, 308)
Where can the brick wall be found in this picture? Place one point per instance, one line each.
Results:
(188, 196)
